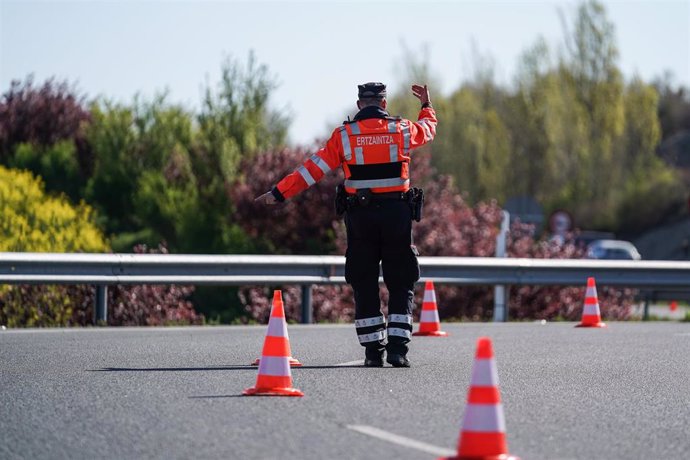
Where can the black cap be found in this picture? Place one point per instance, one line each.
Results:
(372, 90)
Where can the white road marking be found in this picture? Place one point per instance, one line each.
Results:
(352, 363)
(402, 441)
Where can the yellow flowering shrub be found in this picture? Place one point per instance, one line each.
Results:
(31, 221)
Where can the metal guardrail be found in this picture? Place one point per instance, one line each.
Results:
(109, 269)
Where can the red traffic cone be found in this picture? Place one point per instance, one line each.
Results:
(482, 436)
(275, 328)
(591, 317)
(429, 322)
(275, 378)
(673, 306)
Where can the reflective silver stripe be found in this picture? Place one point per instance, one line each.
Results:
(274, 365)
(373, 337)
(321, 163)
(364, 322)
(406, 137)
(305, 175)
(399, 332)
(354, 127)
(347, 150)
(393, 182)
(484, 418)
(392, 128)
(431, 125)
(426, 128)
(400, 319)
(393, 152)
(359, 155)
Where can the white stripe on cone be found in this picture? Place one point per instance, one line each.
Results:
(484, 418)
(591, 309)
(277, 327)
(429, 316)
(591, 292)
(274, 365)
(484, 373)
(430, 296)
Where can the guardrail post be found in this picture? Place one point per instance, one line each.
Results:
(500, 301)
(500, 307)
(647, 301)
(100, 310)
(306, 304)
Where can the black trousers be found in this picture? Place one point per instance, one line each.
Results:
(381, 232)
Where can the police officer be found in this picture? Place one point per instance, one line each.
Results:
(374, 152)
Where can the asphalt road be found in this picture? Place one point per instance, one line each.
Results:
(621, 392)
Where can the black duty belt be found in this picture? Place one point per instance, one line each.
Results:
(345, 201)
(401, 196)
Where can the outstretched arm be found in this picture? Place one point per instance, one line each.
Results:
(422, 93)
(311, 172)
(267, 198)
(424, 130)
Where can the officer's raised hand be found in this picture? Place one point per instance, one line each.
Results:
(267, 198)
(421, 93)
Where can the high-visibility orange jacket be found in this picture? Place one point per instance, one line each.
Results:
(373, 150)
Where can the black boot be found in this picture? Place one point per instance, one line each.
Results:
(396, 360)
(397, 353)
(373, 357)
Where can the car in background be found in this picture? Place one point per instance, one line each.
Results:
(612, 250)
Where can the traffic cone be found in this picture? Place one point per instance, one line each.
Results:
(276, 328)
(275, 378)
(482, 435)
(293, 362)
(429, 322)
(673, 306)
(590, 313)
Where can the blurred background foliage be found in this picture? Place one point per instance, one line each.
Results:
(36, 222)
(83, 175)
(570, 132)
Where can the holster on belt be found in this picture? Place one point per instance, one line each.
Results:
(415, 198)
(363, 197)
(340, 200)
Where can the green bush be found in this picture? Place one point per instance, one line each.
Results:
(647, 200)
(57, 165)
